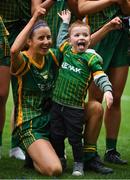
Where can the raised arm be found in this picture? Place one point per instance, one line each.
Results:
(63, 31)
(21, 39)
(92, 6)
(115, 23)
(73, 6)
(47, 4)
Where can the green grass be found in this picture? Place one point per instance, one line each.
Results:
(13, 169)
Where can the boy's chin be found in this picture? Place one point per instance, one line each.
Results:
(81, 50)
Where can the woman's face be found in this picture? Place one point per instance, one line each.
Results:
(41, 40)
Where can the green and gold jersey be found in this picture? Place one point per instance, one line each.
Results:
(74, 76)
(32, 84)
(3, 30)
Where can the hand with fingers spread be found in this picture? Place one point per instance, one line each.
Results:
(65, 15)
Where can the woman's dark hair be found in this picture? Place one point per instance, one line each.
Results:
(38, 24)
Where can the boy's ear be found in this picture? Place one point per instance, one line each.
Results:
(69, 41)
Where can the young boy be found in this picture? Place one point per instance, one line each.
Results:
(77, 69)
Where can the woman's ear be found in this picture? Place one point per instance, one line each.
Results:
(28, 42)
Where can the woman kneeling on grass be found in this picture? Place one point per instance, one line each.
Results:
(33, 74)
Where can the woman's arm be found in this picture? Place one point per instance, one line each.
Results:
(47, 4)
(115, 23)
(21, 39)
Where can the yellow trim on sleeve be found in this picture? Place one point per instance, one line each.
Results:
(19, 70)
(63, 45)
(89, 62)
(98, 73)
(54, 57)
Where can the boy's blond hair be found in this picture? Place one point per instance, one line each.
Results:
(79, 23)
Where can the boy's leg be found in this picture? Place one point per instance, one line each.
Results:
(57, 132)
(74, 119)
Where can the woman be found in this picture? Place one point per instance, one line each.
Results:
(33, 75)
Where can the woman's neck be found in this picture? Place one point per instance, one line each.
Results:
(37, 58)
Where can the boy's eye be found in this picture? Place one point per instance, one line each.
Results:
(76, 35)
(85, 35)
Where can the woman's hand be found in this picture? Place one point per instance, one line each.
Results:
(40, 11)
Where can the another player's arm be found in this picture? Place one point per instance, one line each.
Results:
(73, 6)
(47, 4)
(91, 6)
(125, 7)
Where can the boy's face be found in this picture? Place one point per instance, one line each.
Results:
(80, 38)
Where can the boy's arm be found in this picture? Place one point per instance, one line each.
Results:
(63, 34)
(114, 24)
(104, 84)
(100, 78)
(102, 81)
(63, 31)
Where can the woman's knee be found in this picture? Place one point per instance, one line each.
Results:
(52, 169)
(116, 99)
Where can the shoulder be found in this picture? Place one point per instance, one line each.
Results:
(93, 53)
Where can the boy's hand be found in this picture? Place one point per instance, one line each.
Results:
(65, 15)
(109, 98)
(115, 23)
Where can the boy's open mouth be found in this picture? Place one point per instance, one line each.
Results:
(81, 44)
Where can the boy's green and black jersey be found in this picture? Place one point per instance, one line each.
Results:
(74, 76)
(32, 84)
